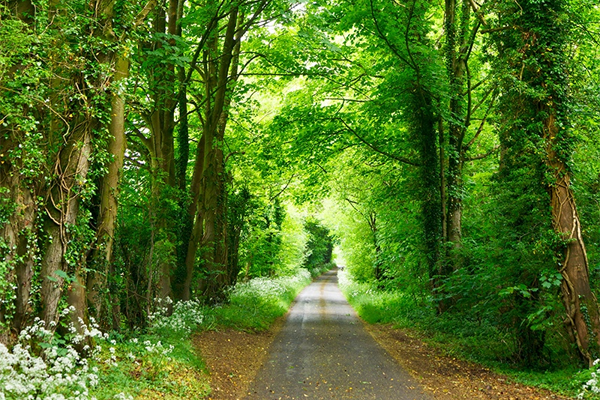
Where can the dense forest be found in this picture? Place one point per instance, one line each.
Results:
(167, 150)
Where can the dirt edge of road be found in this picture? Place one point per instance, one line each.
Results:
(234, 359)
(448, 378)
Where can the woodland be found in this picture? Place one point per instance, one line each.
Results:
(155, 155)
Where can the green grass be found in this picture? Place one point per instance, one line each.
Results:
(458, 336)
(148, 368)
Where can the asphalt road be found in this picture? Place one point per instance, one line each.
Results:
(323, 352)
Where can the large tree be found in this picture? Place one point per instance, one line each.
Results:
(538, 141)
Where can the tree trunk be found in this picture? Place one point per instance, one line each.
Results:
(18, 247)
(102, 255)
(208, 186)
(424, 127)
(181, 289)
(161, 123)
(17, 236)
(536, 55)
(456, 64)
(583, 316)
(62, 208)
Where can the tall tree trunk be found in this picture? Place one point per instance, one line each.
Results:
(181, 290)
(583, 315)
(17, 237)
(372, 219)
(424, 127)
(237, 213)
(102, 256)
(18, 247)
(456, 52)
(62, 208)
(223, 250)
(215, 232)
(195, 215)
(535, 55)
(161, 147)
(207, 188)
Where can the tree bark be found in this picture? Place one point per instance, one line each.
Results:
(539, 109)
(62, 208)
(456, 64)
(102, 256)
(583, 315)
(215, 233)
(18, 232)
(207, 189)
(161, 123)
(17, 235)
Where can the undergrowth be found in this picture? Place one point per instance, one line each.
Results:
(254, 305)
(453, 334)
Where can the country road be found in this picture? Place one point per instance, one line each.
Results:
(323, 352)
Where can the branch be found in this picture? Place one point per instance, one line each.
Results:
(481, 125)
(352, 204)
(485, 96)
(350, 100)
(284, 188)
(135, 161)
(385, 153)
(477, 12)
(263, 5)
(327, 77)
(209, 27)
(384, 38)
(475, 86)
(143, 14)
(481, 156)
(504, 28)
(233, 153)
(368, 218)
(407, 41)
(145, 141)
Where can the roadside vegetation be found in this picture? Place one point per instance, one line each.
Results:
(478, 340)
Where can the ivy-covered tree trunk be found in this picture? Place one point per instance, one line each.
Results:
(62, 209)
(424, 125)
(21, 157)
(403, 29)
(102, 257)
(237, 213)
(18, 212)
(583, 315)
(456, 50)
(214, 240)
(181, 285)
(537, 102)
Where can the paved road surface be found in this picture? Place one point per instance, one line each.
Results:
(323, 352)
